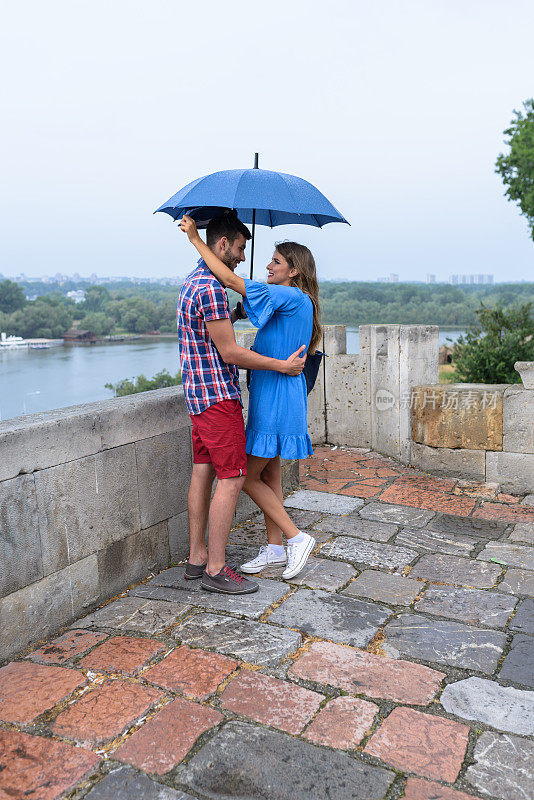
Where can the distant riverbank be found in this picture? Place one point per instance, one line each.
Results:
(40, 380)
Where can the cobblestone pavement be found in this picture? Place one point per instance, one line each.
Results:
(398, 664)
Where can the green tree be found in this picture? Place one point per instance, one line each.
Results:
(500, 337)
(98, 323)
(516, 167)
(96, 298)
(142, 384)
(12, 297)
(40, 320)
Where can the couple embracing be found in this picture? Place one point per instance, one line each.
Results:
(286, 312)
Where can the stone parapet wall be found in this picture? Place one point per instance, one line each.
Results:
(92, 498)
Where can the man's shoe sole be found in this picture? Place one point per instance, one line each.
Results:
(222, 591)
(302, 562)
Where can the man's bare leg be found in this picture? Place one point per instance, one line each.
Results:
(221, 515)
(198, 503)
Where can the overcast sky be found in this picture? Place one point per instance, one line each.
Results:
(395, 110)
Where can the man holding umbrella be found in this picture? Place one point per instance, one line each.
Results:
(210, 358)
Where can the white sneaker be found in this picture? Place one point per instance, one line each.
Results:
(265, 558)
(297, 555)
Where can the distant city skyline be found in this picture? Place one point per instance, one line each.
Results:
(395, 111)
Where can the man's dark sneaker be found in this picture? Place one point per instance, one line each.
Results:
(228, 581)
(192, 571)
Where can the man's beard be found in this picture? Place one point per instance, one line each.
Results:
(228, 259)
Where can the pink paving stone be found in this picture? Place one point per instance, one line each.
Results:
(197, 673)
(105, 711)
(28, 690)
(165, 740)
(359, 672)
(66, 646)
(342, 723)
(34, 768)
(502, 512)
(412, 741)
(418, 789)
(271, 701)
(122, 654)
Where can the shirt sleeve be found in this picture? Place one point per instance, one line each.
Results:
(263, 300)
(213, 302)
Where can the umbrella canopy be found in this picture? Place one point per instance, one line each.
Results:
(257, 195)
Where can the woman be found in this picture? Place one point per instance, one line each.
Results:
(286, 311)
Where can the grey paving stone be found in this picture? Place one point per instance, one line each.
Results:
(434, 542)
(518, 666)
(304, 519)
(255, 642)
(523, 620)
(513, 555)
(399, 515)
(136, 614)
(250, 762)
(374, 554)
(483, 528)
(517, 581)
(504, 766)
(505, 708)
(528, 500)
(127, 784)
(468, 605)
(444, 642)
(322, 573)
(331, 616)
(323, 501)
(170, 585)
(248, 536)
(451, 569)
(352, 526)
(524, 532)
(384, 587)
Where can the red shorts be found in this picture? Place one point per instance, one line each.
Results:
(219, 439)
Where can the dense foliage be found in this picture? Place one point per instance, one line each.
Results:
(516, 167)
(141, 384)
(500, 337)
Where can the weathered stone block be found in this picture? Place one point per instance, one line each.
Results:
(135, 614)
(322, 573)
(316, 409)
(38, 441)
(453, 524)
(523, 620)
(446, 461)
(418, 364)
(504, 766)
(518, 581)
(518, 666)
(241, 760)
(444, 642)
(179, 536)
(506, 554)
(254, 642)
(353, 526)
(20, 545)
(504, 708)
(432, 541)
(40, 609)
(331, 616)
(132, 558)
(518, 420)
(468, 605)
(466, 415)
(334, 340)
(86, 505)
(453, 569)
(323, 501)
(348, 400)
(385, 588)
(385, 388)
(143, 416)
(373, 554)
(514, 471)
(163, 486)
(126, 783)
(397, 514)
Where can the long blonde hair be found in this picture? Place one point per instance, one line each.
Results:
(300, 258)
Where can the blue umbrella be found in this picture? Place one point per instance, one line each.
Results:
(258, 196)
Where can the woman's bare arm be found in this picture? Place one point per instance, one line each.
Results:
(219, 269)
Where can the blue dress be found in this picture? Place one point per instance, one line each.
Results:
(277, 413)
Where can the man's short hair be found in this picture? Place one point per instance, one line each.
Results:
(226, 224)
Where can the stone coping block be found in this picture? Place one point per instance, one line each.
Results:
(458, 415)
(323, 501)
(514, 471)
(241, 760)
(504, 766)
(504, 708)
(448, 461)
(20, 544)
(518, 419)
(38, 441)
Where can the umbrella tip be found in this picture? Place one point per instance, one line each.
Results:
(256, 156)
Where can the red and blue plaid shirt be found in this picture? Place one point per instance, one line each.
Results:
(205, 377)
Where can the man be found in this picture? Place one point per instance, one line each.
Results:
(210, 358)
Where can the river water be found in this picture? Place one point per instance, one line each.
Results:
(39, 380)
